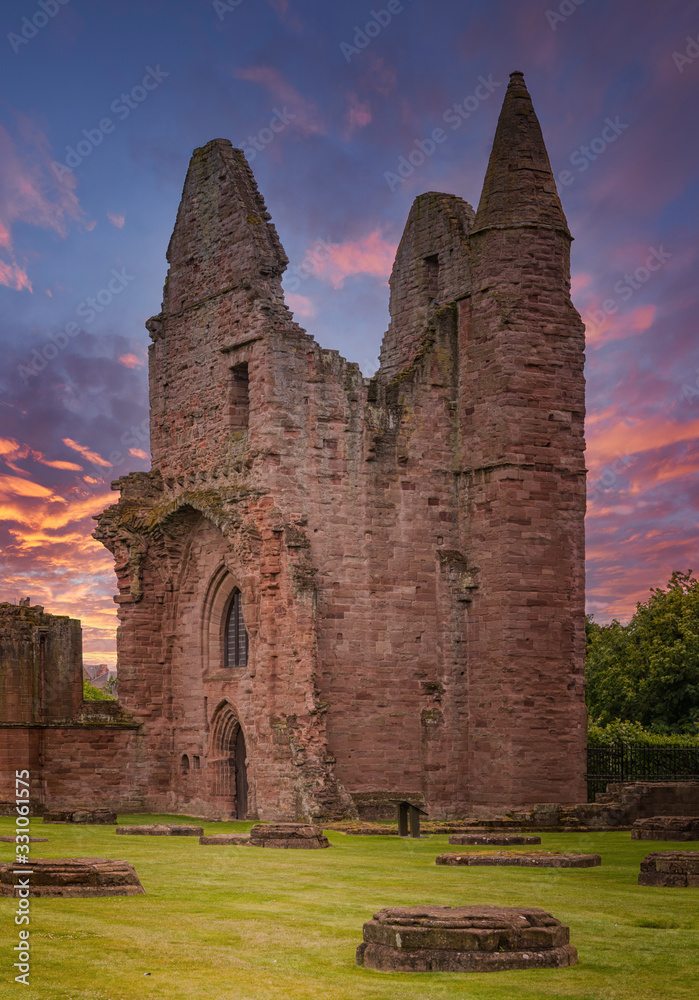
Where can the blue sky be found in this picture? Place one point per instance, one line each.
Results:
(334, 98)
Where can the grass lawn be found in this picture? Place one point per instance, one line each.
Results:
(241, 923)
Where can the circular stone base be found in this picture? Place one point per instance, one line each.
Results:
(524, 859)
(492, 838)
(73, 877)
(161, 830)
(464, 939)
(676, 828)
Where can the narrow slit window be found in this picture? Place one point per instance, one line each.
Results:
(239, 398)
(432, 275)
(236, 634)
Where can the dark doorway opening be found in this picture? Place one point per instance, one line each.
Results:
(241, 776)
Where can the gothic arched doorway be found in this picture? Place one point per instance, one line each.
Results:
(228, 757)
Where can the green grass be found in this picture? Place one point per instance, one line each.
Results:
(227, 923)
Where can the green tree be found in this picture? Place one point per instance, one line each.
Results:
(648, 671)
(91, 693)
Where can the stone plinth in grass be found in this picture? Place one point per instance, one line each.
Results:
(161, 830)
(89, 816)
(493, 839)
(464, 939)
(666, 828)
(227, 840)
(672, 869)
(524, 859)
(293, 835)
(73, 877)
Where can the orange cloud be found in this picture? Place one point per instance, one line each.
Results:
(13, 486)
(130, 361)
(139, 453)
(91, 456)
(71, 466)
(372, 255)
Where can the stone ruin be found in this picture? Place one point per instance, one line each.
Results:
(73, 877)
(666, 828)
(99, 817)
(161, 830)
(32, 840)
(339, 592)
(464, 939)
(522, 859)
(304, 836)
(673, 869)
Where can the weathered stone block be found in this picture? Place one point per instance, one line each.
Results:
(524, 859)
(295, 835)
(674, 869)
(666, 828)
(74, 877)
(32, 840)
(464, 939)
(88, 816)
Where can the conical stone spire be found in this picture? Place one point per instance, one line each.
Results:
(223, 229)
(519, 188)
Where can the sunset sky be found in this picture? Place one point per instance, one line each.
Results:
(103, 103)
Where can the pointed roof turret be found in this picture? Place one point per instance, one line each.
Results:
(519, 188)
(223, 229)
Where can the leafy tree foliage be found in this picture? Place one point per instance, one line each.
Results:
(92, 693)
(648, 671)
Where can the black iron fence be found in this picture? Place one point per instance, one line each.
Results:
(608, 764)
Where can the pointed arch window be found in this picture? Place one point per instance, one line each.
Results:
(236, 637)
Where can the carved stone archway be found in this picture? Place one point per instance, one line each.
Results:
(228, 761)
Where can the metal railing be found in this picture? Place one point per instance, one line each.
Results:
(612, 764)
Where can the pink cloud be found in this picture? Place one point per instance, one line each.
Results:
(358, 115)
(30, 192)
(301, 305)
(139, 453)
(371, 255)
(308, 118)
(615, 327)
(130, 361)
(116, 219)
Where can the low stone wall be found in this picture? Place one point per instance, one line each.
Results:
(294, 835)
(161, 830)
(101, 817)
(493, 839)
